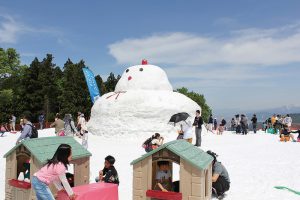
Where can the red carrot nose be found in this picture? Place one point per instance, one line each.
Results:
(129, 78)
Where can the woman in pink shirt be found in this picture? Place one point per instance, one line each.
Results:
(54, 172)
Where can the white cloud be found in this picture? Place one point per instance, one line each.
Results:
(11, 30)
(275, 46)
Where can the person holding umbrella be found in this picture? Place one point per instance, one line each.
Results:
(198, 127)
(186, 127)
(181, 117)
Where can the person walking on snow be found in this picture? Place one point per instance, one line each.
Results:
(215, 124)
(41, 120)
(254, 123)
(83, 131)
(288, 121)
(233, 124)
(222, 126)
(198, 127)
(13, 123)
(69, 126)
(58, 124)
(210, 123)
(244, 124)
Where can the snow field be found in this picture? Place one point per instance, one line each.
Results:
(256, 163)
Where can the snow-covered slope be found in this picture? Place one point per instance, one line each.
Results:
(255, 163)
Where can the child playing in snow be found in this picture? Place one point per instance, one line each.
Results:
(285, 133)
(109, 174)
(163, 177)
(3, 129)
(153, 142)
(157, 141)
(54, 172)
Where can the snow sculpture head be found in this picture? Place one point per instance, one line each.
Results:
(143, 77)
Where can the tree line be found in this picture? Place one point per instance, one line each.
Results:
(44, 87)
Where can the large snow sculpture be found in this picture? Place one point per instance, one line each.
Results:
(142, 104)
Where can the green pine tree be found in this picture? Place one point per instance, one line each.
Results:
(199, 99)
(101, 85)
(111, 82)
(75, 96)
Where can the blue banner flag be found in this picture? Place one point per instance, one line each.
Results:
(92, 84)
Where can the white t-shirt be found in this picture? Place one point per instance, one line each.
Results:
(82, 123)
(157, 142)
(187, 130)
(163, 175)
(288, 121)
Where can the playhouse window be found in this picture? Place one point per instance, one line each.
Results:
(173, 172)
(23, 165)
(176, 177)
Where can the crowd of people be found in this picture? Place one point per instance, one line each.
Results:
(277, 122)
(62, 127)
(240, 124)
(214, 127)
(281, 125)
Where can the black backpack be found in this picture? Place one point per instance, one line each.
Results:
(148, 141)
(34, 131)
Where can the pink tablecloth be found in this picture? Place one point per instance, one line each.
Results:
(94, 191)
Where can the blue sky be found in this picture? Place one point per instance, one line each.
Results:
(242, 55)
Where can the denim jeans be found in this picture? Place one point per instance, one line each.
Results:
(41, 189)
(41, 125)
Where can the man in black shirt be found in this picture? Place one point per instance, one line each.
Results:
(254, 123)
(198, 128)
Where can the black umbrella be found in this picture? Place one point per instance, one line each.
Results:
(179, 117)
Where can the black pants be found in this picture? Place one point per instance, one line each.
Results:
(254, 125)
(238, 129)
(244, 129)
(198, 136)
(221, 185)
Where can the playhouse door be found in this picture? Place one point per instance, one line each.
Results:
(22, 194)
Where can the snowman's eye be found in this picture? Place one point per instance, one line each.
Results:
(127, 70)
(141, 69)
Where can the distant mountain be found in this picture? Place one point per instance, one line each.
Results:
(295, 117)
(262, 115)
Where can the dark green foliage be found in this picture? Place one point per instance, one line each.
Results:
(6, 102)
(199, 99)
(40, 89)
(11, 72)
(111, 82)
(100, 84)
(9, 62)
(75, 95)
